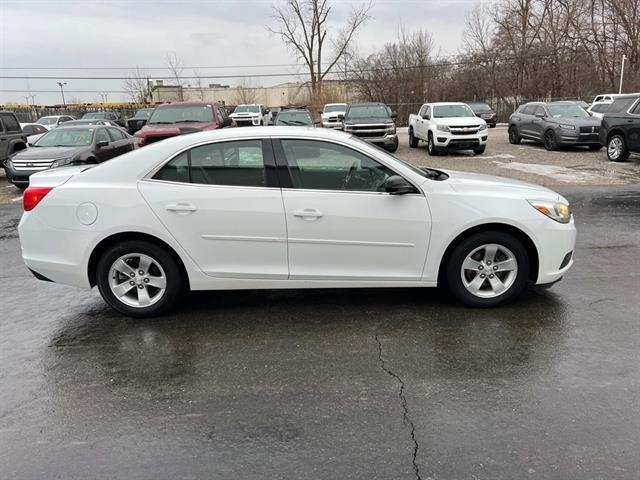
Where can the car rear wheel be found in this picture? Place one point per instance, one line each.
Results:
(431, 147)
(413, 141)
(488, 269)
(617, 150)
(549, 140)
(139, 279)
(514, 136)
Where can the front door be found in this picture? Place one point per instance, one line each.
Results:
(633, 129)
(341, 223)
(221, 202)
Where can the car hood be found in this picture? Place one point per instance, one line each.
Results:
(35, 153)
(577, 121)
(470, 183)
(459, 121)
(359, 121)
(174, 128)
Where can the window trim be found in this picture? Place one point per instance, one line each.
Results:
(286, 181)
(633, 106)
(267, 157)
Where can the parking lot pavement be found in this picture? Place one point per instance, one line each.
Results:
(527, 161)
(530, 162)
(375, 384)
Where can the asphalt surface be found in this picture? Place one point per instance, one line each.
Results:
(355, 384)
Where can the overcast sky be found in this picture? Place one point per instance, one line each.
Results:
(203, 33)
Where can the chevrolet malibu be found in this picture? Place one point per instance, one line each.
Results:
(282, 207)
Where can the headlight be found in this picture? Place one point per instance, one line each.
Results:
(567, 127)
(560, 212)
(9, 163)
(442, 128)
(483, 126)
(348, 128)
(391, 128)
(61, 162)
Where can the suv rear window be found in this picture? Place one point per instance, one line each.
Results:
(10, 122)
(621, 105)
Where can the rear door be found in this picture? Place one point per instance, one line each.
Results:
(121, 141)
(525, 124)
(341, 223)
(222, 203)
(633, 128)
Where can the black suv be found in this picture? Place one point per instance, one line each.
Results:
(12, 139)
(620, 130)
(372, 122)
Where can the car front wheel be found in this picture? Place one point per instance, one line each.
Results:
(139, 279)
(413, 141)
(488, 269)
(514, 137)
(617, 150)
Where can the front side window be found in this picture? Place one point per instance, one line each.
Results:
(636, 111)
(600, 108)
(238, 163)
(102, 135)
(528, 109)
(116, 135)
(319, 165)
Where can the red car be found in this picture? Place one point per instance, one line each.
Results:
(179, 118)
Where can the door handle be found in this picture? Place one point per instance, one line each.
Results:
(307, 213)
(181, 208)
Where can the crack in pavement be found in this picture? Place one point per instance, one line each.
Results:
(405, 409)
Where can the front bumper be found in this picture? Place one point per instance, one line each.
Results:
(556, 247)
(566, 137)
(247, 121)
(327, 124)
(19, 178)
(447, 140)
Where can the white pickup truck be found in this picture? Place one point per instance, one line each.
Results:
(253, 114)
(448, 126)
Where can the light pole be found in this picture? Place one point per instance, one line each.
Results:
(61, 85)
(624, 57)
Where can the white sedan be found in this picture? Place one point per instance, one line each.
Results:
(282, 207)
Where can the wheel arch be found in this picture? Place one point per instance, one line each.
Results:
(116, 238)
(615, 131)
(523, 237)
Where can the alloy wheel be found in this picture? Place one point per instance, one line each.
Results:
(615, 148)
(137, 280)
(489, 270)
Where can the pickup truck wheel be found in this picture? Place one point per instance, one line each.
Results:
(479, 151)
(549, 140)
(617, 150)
(514, 136)
(488, 269)
(262, 123)
(413, 141)
(431, 147)
(393, 147)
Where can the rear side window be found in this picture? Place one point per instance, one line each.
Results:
(621, 105)
(238, 163)
(636, 110)
(10, 122)
(528, 109)
(600, 108)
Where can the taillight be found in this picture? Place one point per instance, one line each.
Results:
(33, 195)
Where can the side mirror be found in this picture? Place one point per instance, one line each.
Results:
(341, 117)
(102, 144)
(396, 185)
(540, 115)
(394, 115)
(426, 116)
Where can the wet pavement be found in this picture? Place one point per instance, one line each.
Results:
(355, 384)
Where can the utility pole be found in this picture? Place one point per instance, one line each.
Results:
(624, 57)
(61, 85)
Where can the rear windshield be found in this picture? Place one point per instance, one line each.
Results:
(182, 113)
(621, 105)
(293, 118)
(67, 137)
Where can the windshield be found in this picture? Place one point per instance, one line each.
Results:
(335, 108)
(83, 122)
(95, 115)
(247, 108)
(47, 120)
(293, 118)
(182, 113)
(143, 113)
(559, 110)
(476, 107)
(365, 111)
(448, 111)
(67, 137)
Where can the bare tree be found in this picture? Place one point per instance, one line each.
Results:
(137, 86)
(245, 93)
(175, 65)
(303, 25)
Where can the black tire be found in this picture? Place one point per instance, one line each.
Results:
(174, 281)
(431, 146)
(466, 247)
(262, 123)
(621, 155)
(549, 140)
(595, 148)
(514, 136)
(479, 151)
(413, 141)
(392, 148)
(492, 125)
